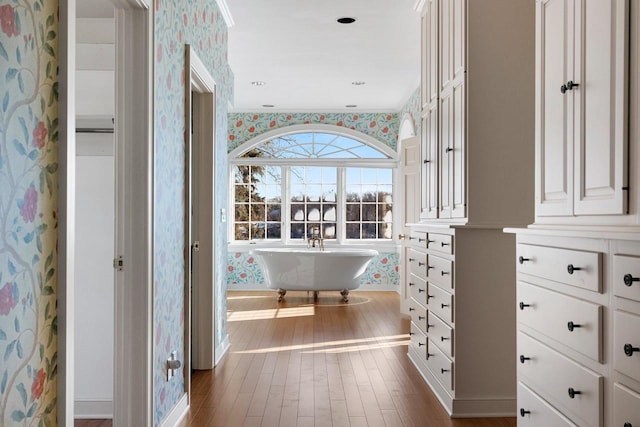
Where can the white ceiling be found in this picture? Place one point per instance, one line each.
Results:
(309, 61)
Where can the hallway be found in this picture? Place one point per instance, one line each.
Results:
(324, 364)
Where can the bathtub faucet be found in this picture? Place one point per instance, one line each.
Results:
(315, 237)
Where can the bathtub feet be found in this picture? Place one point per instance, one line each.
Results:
(281, 294)
(315, 295)
(345, 295)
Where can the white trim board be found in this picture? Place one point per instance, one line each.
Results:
(93, 409)
(178, 412)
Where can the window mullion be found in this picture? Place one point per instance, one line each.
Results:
(341, 206)
(286, 204)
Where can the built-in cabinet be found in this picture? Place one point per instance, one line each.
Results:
(578, 264)
(477, 151)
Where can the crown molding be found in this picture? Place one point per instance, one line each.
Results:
(226, 13)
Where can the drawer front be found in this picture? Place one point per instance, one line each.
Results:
(418, 289)
(573, 322)
(440, 302)
(418, 341)
(418, 239)
(440, 365)
(440, 333)
(626, 406)
(626, 276)
(533, 411)
(626, 344)
(417, 263)
(442, 243)
(418, 315)
(557, 378)
(576, 268)
(440, 272)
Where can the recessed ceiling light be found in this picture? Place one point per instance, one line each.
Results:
(346, 20)
(351, 105)
(268, 105)
(358, 83)
(258, 83)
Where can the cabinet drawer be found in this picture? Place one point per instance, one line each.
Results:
(533, 411)
(418, 341)
(418, 239)
(440, 272)
(626, 406)
(442, 243)
(418, 315)
(626, 276)
(573, 322)
(557, 378)
(440, 365)
(418, 289)
(576, 268)
(440, 333)
(626, 344)
(440, 302)
(417, 263)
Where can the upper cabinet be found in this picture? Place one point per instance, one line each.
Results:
(582, 62)
(478, 111)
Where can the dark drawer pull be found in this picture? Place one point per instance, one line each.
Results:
(420, 264)
(573, 393)
(448, 149)
(444, 305)
(430, 241)
(429, 355)
(421, 240)
(430, 296)
(411, 309)
(412, 259)
(571, 85)
(444, 273)
(629, 349)
(571, 268)
(412, 238)
(443, 244)
(629, 279)
(443, 339)
(420, 344)
(411, 334)
(523, 305)
(420, 290)
(523, 412)
(430, 267)
(524, 359)
(442, 370)
(522, 260)
(571, 326)
(411, 284)
(425, 161)
(421, 317)
(563, 89)
(429, 327)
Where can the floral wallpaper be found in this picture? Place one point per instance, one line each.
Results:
(200, 24)
(245, 126)
(412, 108)
(244, 272)
(28, 179)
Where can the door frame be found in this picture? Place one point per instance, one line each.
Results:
(133, 353)
(200, 119)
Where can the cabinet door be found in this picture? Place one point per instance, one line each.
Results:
(554, 149)
(601, 60)
(446, 147)
(457, 181)
(430, 53)
(445, 43)
(430, 162)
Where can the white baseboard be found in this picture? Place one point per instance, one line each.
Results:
(178, 412)
(224, 347)
(93, 409)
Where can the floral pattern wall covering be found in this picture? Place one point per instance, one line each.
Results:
(246, 126)
(244, 272)
(28, 197)
(200, 24)
(412, 108)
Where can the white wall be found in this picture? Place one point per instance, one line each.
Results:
(95, 210)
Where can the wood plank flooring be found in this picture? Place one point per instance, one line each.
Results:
(325, 364)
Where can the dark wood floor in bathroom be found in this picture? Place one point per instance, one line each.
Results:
(325, 364)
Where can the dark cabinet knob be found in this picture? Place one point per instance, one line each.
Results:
(444, 305)
(411, 284)
(443, 244)
(430, 241)
(448, 149)
(411, 334)
(442, 370)
(629, 349)
(411, 259)
(571, 85)
(524, 359)
(571, 268)
(573, 393)
(522, 260)
(420, 344)
(563, 89)
(421, 264)
(420, 290)
(523, 305)
(421, 317)
(571, 326)
(629, 279)
(429, 327)
(430, 296)
(444, 273)
(411, 309)
(425, 161)
(524, 412)
(443, 339)
(429, 267)
(421, 240)
(429, 355)
(412, 238)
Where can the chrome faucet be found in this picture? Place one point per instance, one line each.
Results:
(315, 237)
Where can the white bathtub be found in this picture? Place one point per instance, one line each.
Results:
(314, 270)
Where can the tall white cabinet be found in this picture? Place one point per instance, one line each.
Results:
(578, 265)
(477, 155)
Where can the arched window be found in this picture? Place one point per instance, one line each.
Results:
(284, 185)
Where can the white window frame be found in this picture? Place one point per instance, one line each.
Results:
(340, 164)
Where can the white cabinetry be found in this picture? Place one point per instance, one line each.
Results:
(581, 108)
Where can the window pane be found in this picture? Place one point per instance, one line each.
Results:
(297, 230)
(273, 213)
(258, 212)
(274, 231)
(329, 213)
(353, 212)
(314, 213)
(353, 193)
(369, 231)
(369, 212)
(386, 230)
(242, 193)
(313, 193)
(353, 231)
(373, 202)
(297, 212)
(242, 231)
(329, 231)
(258, 230)
(329, 195)
(242, 213)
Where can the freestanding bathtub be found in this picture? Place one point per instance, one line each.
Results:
(313, 270)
